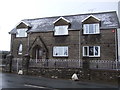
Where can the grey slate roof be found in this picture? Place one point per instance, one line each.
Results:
(107, 19)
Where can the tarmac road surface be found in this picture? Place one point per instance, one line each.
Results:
(23, 81)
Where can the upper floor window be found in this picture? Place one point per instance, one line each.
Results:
(91, 25)
(60, 51)
(91, 28)
(20, 49)
(61, 26)
(21, 32)
(91, 51)
(61, 30)
(21, 29)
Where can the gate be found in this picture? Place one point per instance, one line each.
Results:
(16, 64)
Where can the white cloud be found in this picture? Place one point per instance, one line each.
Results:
(12, 11)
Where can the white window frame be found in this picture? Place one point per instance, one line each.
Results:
(20, 49)
(87, 28)
(23, 34)
(61, 30)
(63, 53)
(88, 54)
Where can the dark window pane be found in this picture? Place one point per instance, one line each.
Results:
(85, 51)
(96, 50)
(91, 53)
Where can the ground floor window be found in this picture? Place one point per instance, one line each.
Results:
(91, 51)
(20, 49)
(60, 51)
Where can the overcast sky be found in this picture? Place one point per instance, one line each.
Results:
(13, 11)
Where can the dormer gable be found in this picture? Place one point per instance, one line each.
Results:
(91, 25)
(22, 28)
(61, 21)
(22, 24)
(90, 19)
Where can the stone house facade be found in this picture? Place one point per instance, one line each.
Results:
(91, 36)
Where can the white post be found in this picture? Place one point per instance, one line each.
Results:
(79, 48)
(36, 55)
(17, 65)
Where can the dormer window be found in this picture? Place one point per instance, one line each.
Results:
(91, 25)
(61, 26)
(91, 28)
(61, 30)
(21, 28)
(21, 32)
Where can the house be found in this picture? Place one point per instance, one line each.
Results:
(91, 36)
(118, 10)
(3, 54)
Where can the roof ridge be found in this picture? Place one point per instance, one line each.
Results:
(68, 15)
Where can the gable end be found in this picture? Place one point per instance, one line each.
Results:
(61, 21)
(91, 19)
(22, 24)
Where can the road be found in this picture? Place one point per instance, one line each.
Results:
(24, 81)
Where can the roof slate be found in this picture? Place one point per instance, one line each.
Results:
(107, 19)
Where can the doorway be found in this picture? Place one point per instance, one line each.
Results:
(37, 53)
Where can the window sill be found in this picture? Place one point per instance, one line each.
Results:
(60, 56)
(21, 37)
(91, 33)
(91, 56)
(19, 54)
(60, 35)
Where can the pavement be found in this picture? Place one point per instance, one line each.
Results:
(9, 80)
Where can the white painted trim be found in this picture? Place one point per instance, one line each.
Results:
(61, 18)
(61, 55)
(57, 30)
(96, 30)
(88, 51)
(25, 32)
(24, 23)
(89, 17)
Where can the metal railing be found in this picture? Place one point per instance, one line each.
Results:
(104, 64)
(55, 63)
(66, 63)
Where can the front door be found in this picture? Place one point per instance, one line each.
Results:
(37, 53)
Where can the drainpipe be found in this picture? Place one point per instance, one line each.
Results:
(11, 49)
(79, 48)
(29, 42)
(116, 48)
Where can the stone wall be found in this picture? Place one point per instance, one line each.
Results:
(84, 73)
(105, 76)
(72, 41)
(106, 41)
(15, 42)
